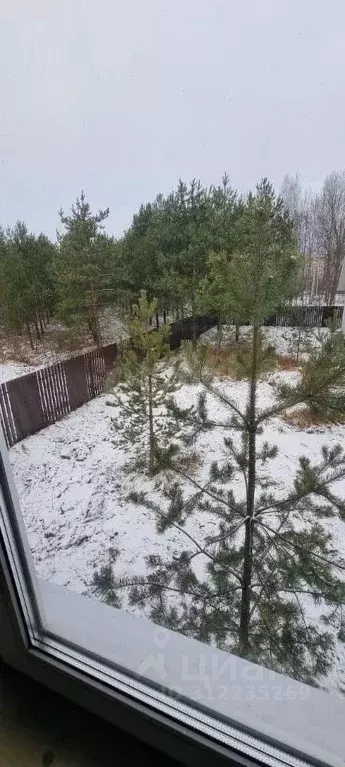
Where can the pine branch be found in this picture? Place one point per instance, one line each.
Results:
(267, 551)
(237, 458)
(141, 582)
(157, 510)
(303, 549)
(124, 583)
(230, 533)
(318, 489)
(225, 400)
(302, 614)
(315, 594)
(204, 490)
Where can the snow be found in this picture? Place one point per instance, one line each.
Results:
(283, 339)
(73, 486)
(113, 326)
(17, 358)
(10, 370)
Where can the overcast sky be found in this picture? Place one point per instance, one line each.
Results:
(123, 98)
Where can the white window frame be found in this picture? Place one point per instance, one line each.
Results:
(189, 699)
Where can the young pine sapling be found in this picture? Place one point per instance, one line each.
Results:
(147, 377)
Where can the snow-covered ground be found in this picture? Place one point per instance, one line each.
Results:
(113, 327)
(9, 370)
(47, 351)
(73, 490)
(285, 340)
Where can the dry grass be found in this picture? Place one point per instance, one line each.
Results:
(286, 363)
(55, 343)
(233, 360)
(224, 362)
(303, 418)
(190, 462)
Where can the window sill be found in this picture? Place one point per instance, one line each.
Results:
(240, 693)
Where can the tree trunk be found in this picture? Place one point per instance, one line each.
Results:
(327, 278)
(335, 280)
(95, 331)
(299, 338)
(37, 329)
(41, 326)
(165, 317)
(332, 295)
(151, 431)
(244, 644)
(157, 321)
(27, 325)
(94, 320)
(193, 323)
(194, 330)
(219, 333)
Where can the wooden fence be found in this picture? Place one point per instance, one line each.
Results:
(32, 402)
(36, 400)
(307, 315)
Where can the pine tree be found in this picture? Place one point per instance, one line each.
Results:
(84, 266)
(166, 248)
(269, 552)
(215, 291)
(27, 280)
(148, 377)
(188, 236)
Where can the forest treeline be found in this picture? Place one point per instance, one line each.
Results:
(179, 248)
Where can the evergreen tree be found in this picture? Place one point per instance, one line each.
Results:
(148, 377)
(215, 291)
(141, 267)
(166, 248)
(188, 239)
(270, 551)
(27, 280)
(84, 267)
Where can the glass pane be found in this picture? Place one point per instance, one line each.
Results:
(173, 369)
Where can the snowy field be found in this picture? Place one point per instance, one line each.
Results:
(73, 489)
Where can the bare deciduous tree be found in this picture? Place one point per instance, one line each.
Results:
(301, 207)
(330, 230)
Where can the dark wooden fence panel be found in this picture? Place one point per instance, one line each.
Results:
(26, 406)
(33, 401)
(95, 372)
(110, 354)
(53, 390)
(306, 316)
(7, 419)
(76, 379)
